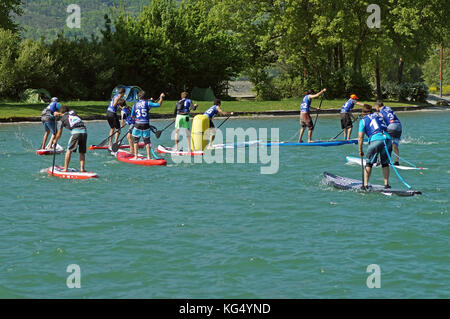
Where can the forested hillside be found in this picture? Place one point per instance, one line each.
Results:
(45, 18)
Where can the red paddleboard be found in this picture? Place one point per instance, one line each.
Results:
(142, 160)
(168, 150)
(95, 147)
(71, 173)
(44, 151)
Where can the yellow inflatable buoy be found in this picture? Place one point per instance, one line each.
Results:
(199, 134)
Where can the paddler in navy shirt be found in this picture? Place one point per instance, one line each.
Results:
(394, 127)
(374, 127)
(112, 117)
(211, 112)
(48, 121)
(346, 115)
(305, 117)
(78, 137)
(141, 115)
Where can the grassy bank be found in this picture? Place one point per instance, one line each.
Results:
(84, 108)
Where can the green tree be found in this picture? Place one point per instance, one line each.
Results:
(7, 9)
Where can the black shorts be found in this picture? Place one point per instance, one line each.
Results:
(306, 121)
(113, 120)
(346, 121)
(211, 124)
(78, 140)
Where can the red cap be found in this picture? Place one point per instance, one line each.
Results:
(353, 96)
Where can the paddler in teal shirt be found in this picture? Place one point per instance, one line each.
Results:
(379, 141)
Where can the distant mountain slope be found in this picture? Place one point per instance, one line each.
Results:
(46, 18)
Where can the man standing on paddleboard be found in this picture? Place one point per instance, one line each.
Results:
(211, 112)
(78, 137)
(48, 120)
(141, 114)
(394, 127)
(112, 117)
(346, 116)
(379, 141)
(125, 115)
(305, 117)
(182, 110)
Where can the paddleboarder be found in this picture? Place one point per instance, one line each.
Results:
(182, 111)
(48, 121)
(211, 112)
(346, 115)
(141, 114)
(112, 117)
(125, 115)
(376, 130)
(305, 116)
(394, 126)
(78, 136)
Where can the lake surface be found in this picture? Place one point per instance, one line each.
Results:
(225, 230)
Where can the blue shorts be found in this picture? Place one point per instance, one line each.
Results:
(144, 133)
(49, 126)
(395, 131)
(377, 148)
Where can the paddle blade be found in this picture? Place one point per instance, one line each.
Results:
(115, 147)
(104, 142)
(158, 134)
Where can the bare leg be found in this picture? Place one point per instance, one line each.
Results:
(82, 162)
(310, 135)
(130, 142)
(188, 135)
(395, 148)
(176, 138)
(367, 172)
(302, 130)
(147, 147)
(349, 133)
(136, 148)
(117, 136)
(67, 160)
(45, 139)
(111, 132)
(386, 175)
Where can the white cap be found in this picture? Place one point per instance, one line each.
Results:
(55, 99)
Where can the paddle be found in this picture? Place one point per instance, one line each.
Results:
(103, 143)
(116, 146)
(344, 129)
(158, 133)
(362, 170)
(224, 121)
(317, 115)
(54, 149)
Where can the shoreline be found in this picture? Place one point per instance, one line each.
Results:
(266, 114)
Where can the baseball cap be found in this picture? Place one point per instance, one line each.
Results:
(353, 96)
(55, 99)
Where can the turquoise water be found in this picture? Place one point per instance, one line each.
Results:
(224, 230)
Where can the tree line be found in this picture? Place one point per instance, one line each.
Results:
(284, 47)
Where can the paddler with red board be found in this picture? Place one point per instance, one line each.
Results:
(78, 138)
(141, 115)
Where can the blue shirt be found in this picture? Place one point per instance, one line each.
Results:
(306, 104)
(126, 115)
(211, 112)
(389, 116)
(112, 107)
(186, 105)
(348, 106)
(141, 111)
(374, 127)
(51, 109)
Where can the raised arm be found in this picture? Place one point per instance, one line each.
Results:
(315, 96)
